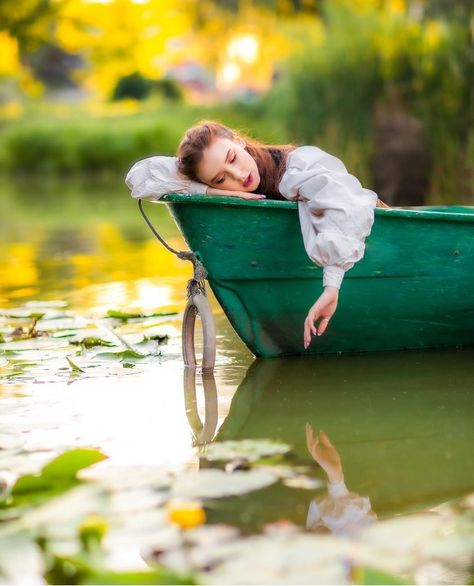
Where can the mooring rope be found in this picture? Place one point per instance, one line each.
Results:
(198, 304)
(197, 284)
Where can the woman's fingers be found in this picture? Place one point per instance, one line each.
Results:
(247, 195)
(323, 324)
(309, 327)
(325, 439)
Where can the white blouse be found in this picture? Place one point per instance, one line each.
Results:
(154, 177)
(342, 512)
(336, 213)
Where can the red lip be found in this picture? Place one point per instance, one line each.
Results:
(249, 180)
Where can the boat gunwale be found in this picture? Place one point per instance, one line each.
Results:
(420, 214)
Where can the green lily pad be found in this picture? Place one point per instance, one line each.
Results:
(74, 366)
(156, 577)
(121, 355)
(123, 315)
(61, 470)
(91, 342)
(373, 576)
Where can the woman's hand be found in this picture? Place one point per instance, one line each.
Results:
(241, 194)
(325, 454)
(324, 308)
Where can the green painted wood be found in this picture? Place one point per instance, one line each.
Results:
(413, 288)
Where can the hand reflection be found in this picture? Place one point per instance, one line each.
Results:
(325, 454)
(341, 512)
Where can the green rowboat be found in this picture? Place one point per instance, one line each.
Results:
(414, 288)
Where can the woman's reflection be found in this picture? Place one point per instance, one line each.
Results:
(340, 512)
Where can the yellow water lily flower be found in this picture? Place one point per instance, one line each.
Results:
(186, 514)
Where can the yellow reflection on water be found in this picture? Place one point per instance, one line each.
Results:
(95, 267)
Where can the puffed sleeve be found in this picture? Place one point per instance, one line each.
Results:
(154, 177)
(342, 512)
(336, 212)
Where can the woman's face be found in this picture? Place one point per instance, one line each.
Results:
(227, 165)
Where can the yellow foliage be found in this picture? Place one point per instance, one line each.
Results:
(396, 6)
(433, 34)
(121, 36)
(9, 63)
(10, 110)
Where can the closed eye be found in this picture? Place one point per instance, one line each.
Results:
(223, 176)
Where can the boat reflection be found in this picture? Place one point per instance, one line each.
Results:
(402, 424)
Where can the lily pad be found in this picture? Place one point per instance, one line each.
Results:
(61, 470)
(304, 482)
(123, 315)
(91, 342)
(251, 450)
(212, 483)
(73, 365)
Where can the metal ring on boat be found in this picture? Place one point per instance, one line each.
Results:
(203, 432)
(199, 304)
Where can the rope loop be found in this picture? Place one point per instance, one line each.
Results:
(198, 304)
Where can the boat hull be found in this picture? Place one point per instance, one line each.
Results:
(413, 288)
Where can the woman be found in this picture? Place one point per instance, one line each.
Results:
(336, 213)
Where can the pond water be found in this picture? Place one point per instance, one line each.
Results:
(399, 424)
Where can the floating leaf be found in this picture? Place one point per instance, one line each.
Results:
(125, 316)
(20, 557)
(91, 342)
(373, 576)
(156, 577)
(251, 450)
(121, 355)
(23, 314)
(62, 469)
(304, 482)
(211, 483)
(74, 366)
(160, 338)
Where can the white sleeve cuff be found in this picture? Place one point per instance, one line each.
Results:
(337, 490)
(332, 276)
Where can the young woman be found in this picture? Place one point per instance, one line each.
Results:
(336, 213)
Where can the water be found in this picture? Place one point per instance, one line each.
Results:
(401, 423)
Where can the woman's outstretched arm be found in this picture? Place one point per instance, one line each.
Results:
(336, 215)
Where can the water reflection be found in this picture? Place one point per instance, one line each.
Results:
(341, 512)
(401, 423)
(202, 432)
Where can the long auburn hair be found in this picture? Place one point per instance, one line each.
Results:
(270, 159)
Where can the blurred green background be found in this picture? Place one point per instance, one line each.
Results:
(87, 87)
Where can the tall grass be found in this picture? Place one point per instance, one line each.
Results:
(374, 61)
